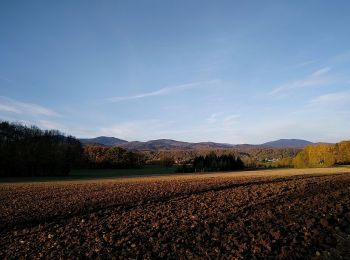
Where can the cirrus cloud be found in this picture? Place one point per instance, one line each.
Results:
(317, 78)
(163, 91)
(9, 105)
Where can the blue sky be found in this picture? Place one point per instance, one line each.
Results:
(224, 71)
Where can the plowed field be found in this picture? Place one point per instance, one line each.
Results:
(303, 214)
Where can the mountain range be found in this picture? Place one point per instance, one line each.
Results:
(103, 140)
(168, 144)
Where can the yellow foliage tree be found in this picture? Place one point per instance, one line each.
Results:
(342, 151)
(322, 155)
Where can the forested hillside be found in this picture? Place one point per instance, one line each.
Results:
(29, 151)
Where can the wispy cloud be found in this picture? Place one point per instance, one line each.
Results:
(8, 108)
(222, 119)
(213, 118)
(321, 72)
(8, 105)
(163, 91)
(331, 98)
(46, 124)
(303, 64)
(231, 119)
(318, 77)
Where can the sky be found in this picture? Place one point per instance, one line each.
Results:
(223, 71)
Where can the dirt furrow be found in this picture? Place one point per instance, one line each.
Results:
(280, 218)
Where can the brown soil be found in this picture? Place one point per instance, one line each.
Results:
(208, 216)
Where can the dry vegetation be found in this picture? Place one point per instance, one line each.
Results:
(280, 213)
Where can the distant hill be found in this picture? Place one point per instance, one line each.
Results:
(103, 140)
(152, 145)
(287, 143)
(169, 144)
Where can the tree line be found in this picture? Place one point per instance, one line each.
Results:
(323, 155)
(213, 162)
(29, 151)
(103, 157)
(253, 157)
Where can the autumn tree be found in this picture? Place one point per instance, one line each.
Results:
(342, 152)
(111, 157)
(322, 155)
